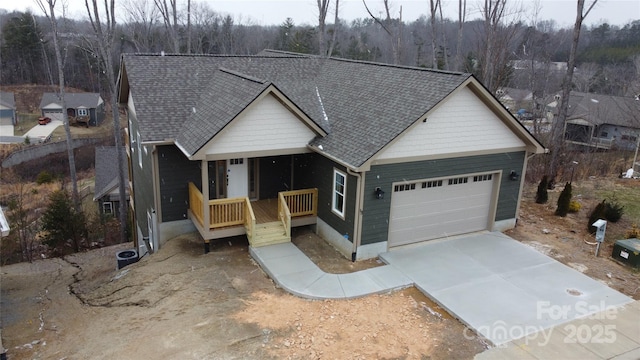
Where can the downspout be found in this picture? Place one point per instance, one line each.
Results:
(358, 220)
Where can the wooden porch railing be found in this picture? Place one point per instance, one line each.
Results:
(301, 202)
(250, 219)
(195, 203)
(284, 214)
(222, 212)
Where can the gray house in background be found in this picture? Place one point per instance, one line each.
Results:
(601, 121)
(8, 116)
(83, 108)
(107, 190)
(373, 156)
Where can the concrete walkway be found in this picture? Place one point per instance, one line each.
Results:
(499, 287)
(41, 133)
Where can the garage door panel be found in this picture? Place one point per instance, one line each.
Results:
(433, 212)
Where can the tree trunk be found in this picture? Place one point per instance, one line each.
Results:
(462, 14)
(557, 133)
(65, 118)
(433, 7)
(105, 41)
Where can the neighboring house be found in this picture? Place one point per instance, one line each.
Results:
(515, 99)
(8, 116)
(601, 121)
(375, 156)
(82, 108)
(107, 190)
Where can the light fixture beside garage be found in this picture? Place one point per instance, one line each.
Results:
(514, 176)
(379, 193)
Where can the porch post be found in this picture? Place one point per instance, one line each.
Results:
(204, 171)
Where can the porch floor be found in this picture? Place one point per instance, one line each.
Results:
(265, 210)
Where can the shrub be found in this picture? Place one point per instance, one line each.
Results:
(610, 211)
(542, 196)
(574, 206)
(564, 200)
(44, 177)
(596, 213)
(613, 211)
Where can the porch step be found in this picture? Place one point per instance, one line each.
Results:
(270, 233)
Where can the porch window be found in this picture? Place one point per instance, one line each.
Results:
(83, 112)
(339, 191)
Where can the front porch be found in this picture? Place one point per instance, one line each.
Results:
(265, 222)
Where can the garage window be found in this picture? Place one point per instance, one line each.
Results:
(339, 191)
(431, 184)
(479, 178)
(404, 187)
(457, 181)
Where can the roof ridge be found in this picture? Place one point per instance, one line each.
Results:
(406, 67)
(241, 75)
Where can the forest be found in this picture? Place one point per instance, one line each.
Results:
(494, 47)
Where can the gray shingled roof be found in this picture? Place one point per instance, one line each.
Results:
(188, 99)
(7, 99)
(601, 109)
(107, 170)
(73, 100)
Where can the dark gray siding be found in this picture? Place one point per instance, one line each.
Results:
(316, 171)
(275, 176)
(375, 222)
(175, 172)
(142, 178)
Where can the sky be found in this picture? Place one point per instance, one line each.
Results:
(274, 12)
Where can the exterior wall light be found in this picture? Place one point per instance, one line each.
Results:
(379, 193)
(514, 176)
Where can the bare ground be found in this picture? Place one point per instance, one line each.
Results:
(181, 303)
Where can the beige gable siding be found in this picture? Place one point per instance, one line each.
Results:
(266, 126)
(463, 124)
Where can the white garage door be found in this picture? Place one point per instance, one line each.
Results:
(54, 115)
(437, 208)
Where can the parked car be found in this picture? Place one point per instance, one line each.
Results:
(44, 120)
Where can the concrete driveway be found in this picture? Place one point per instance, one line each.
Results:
(502, 289)
(41, 133)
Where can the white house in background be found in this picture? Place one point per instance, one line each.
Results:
(8, 117)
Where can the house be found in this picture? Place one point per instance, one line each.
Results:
(82, 108)
(515, 99)
(107, 187)
(8, 117)
(374, 156)
(601, 121)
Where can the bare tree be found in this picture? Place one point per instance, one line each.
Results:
(169, 14)
(557, 136)
(141, 18)
(188, 26)
(462, 15)
(433, 8)
(392, 27)
(48, 8)
(498, 37)
(105, 34)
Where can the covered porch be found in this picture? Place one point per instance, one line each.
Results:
(265, 222)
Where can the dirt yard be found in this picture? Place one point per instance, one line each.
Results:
(181, 303)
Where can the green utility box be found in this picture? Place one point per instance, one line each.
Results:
(627, 252)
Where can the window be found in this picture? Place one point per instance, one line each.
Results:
(107, 208)
(457, 181)
(83, 112)
(479, 178)
(431, 184)
(339, 192)
(604, 134)
(236, 161)
(404, 187)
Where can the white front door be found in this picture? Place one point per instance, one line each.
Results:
(237, 178)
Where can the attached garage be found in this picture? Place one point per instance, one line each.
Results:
(53, 114)
(437, 208)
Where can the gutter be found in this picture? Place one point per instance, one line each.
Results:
(359, 205)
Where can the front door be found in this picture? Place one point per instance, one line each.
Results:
(237, 178)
